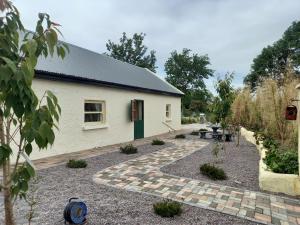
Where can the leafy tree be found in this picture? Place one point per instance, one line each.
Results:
(274, 60)
(133, 51)
(187, 72)
(222, 103)
(24, 119)
(200, 100)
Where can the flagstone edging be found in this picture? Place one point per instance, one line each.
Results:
(268, 181)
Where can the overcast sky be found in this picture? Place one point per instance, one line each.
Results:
(231, 32)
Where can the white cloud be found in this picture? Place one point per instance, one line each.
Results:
(231, 32)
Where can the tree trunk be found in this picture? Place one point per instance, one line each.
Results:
(8, 206)
(238, 135)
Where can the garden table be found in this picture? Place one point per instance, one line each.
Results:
(215, 129)
(203, 134)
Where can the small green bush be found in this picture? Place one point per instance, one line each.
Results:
(158, 142)
(270, 143)
(128, 149)
(282, 161)
(189, 120)
(194, 132)
(213, 172)
(72, 163)
(167, 208)
(182, 136)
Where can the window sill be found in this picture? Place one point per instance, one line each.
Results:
(94, 127)
(168, 120)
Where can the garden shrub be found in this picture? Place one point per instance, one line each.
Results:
(128, 149)
(270, 143)
(194, 132)
(167, 208)
(282, 161)
(180, 136)
(72, 163)
(213, 172)
(189, 120)
(259, 136)
(158, 142)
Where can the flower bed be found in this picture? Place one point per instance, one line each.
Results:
(268, 180)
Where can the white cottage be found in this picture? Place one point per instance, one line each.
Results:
(105, 101)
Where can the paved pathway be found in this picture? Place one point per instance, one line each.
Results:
(143, 175)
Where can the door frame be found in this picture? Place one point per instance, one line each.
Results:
(139, 128)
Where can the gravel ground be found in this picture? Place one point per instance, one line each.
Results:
(239, 163)
(107, 205)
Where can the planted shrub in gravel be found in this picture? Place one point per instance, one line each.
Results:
(167, 208)
(128, 149)
(180, 136)
(194, 132)
(213, 172)
(76, 163)
(158, 142)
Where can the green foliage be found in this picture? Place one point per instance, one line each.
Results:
(222, 103)
(167, 208)
(194, 132)
(270, 143)
(158, 142)
(187, 72)
(189, 120)
(128, 149)
(180, 136)
(213, 172)
(132, 50)
(72, 163)
(274, 60)
(34, 119)
(282, 161)
(21, 180)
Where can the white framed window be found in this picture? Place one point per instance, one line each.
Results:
(94, 112)
(168, 111)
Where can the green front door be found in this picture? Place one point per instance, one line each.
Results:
(138, 119)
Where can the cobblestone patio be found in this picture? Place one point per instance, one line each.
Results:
(143, 175)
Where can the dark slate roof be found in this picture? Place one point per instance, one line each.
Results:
(84, 66)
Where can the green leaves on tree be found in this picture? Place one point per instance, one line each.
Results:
(133, 51)
(187, 72)
(33, 119)
(276, 59)
(5, 152)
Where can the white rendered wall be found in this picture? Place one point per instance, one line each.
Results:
(71, 136)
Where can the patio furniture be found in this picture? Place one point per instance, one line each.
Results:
(215, 129)
(228, 137)
(217, 136)
(203, 134)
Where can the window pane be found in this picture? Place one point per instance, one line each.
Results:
(168, 107)
(93, 107)
(93, 117)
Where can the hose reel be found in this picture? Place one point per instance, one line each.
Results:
(75, 212)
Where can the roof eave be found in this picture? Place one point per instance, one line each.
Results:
(70, 78)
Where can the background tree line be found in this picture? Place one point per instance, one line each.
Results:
(184, 70)
(274, 60)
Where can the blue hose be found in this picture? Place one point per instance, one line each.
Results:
(75, 212)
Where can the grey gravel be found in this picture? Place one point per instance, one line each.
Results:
(107, 205)
(241, 164)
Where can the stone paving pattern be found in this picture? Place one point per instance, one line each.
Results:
(143, 175)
